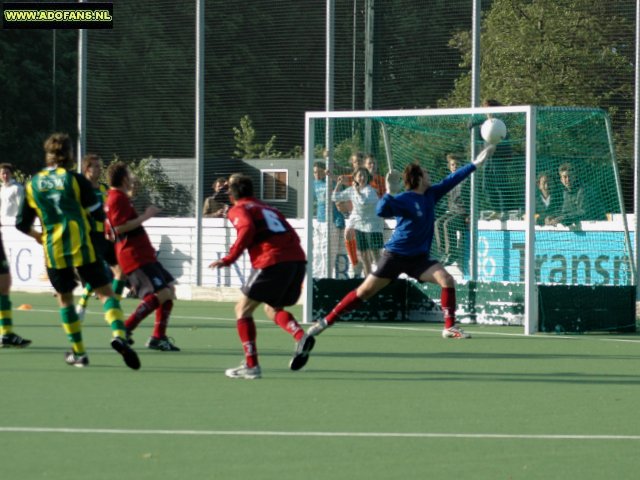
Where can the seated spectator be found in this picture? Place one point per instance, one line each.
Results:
(548, 200)
(577, 204)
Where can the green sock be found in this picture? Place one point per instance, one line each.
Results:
(73, 328)
(6, 323)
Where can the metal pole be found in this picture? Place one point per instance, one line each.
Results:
(53, 83)
(636, 150)
(616, 174)
(368, 69)
(329, 96)
(530, 284)
(473, 202)
(82, 95)
(353, 56)
(307, 306)
(199, 135)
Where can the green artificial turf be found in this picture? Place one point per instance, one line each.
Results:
(376, 401)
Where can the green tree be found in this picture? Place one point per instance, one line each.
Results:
(556, 53)
(246, 145)
(157, 188)
(550, 52)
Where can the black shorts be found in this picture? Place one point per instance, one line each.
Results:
(4, 264)
(104, 249)
(391, 265)
(278, 286)
(64, 280)
(368, 240)
(149, 278)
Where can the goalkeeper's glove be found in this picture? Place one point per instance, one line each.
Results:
(484, 155)
(393, 181)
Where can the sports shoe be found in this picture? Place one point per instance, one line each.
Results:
(162, 344)
(301, 355)
(244, 372)
(80, 311)
(129, 355)
(455, 332)
(129, 337)
(74, 360)
(317, 327)
(11, 340)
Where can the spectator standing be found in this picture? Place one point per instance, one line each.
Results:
(324, 252)
(216, 205)
(11, 195)
(363, 221)
(453, 221)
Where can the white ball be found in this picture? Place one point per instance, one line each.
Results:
(493, 131)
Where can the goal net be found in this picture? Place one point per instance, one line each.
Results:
(537, 237)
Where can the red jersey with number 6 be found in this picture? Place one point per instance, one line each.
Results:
(263, 231)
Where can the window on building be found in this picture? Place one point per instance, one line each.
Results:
(274, 185)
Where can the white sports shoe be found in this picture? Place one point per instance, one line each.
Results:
(317, 327)
(244, 372)
(455, 332)
(80, 311)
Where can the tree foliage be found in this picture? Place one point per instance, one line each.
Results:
(246, 146)
(552, 53)
(556, 53)
(155, 187)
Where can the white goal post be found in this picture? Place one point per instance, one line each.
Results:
(519, 252)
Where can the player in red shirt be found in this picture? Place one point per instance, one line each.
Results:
(137, 257)
(279, 265)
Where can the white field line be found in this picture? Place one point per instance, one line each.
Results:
(393, 327)
(266, 433)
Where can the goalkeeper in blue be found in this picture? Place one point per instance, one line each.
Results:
(408, 249)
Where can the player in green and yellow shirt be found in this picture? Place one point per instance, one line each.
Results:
(92, 171)
(63, 200)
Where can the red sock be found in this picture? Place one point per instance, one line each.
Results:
(247, 332)
(286, 322)
(448, 304)
(350, 302)
(162, 319)
(148, 304)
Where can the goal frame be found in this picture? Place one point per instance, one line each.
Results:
(531, 320)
